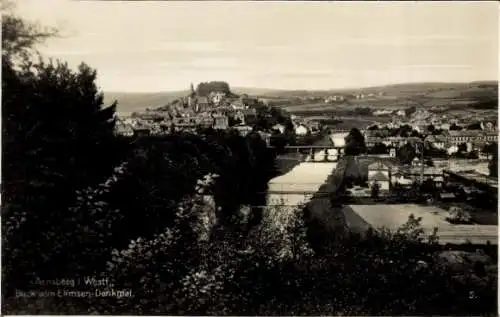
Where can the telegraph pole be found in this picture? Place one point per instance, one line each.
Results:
(422, 164)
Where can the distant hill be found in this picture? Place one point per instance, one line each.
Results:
(129, 102)
(394, 89)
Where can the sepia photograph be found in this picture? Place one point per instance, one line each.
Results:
(249, 158)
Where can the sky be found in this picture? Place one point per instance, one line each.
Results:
(149, 46)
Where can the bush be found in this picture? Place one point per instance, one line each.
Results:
(375, 190)
(458, 215)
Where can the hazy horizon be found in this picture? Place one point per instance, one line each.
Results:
(164, 46)
(315, 89)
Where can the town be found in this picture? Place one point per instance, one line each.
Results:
(450, 160)
(226, 159)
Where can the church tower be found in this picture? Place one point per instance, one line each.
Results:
(191, 97)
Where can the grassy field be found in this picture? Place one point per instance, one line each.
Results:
(393, 216)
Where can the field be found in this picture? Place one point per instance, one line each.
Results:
(480, 166)
(393, 216)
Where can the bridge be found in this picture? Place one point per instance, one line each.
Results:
(313, 153)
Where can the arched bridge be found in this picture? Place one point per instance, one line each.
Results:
(312, 153)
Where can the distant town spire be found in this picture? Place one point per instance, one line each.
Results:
(192, 88)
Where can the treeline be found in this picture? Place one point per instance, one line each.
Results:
(205, 88)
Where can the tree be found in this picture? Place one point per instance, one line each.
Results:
(204, 89)
(490, 148)
(415, 133)
(379, 148)
(406, 153)
(355, 142)
(375, 190)
(411, 110)
(455, 127)
(20, 37)
(404, 131)
(428, 187)
(462, 148)
(429, 162)
(58, 137)
(474, 126)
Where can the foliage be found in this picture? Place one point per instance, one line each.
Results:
(375, 190)
(490, 148)
(458, 215)
(429, 162)
(411, 110)
(462, 148)
(428, 187)
(406, 153)
(19, 37)
(362, 111)
(355, 143)
(205, 88)
(474, 126)
(455, 127)
(58, 138)
(379, 148)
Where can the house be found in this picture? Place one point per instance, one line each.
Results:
(216, 97)
(221, 122)
(452, 149)
(392, 152)
(490, 136)
(338, 139)
(379, 172)
(314, 125)
(400, 179)
(203, 104)
(141, 132)
(248, 101)
(437, 141)
(243, 129)
(444, 126)
(416, 162)
(123, 128)
(265, 136)
(246, 116)
(301, 130)
(205, 121)
(279, 127)
(463, 136)
(381, 179)
(238, 105)
(446, 196)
